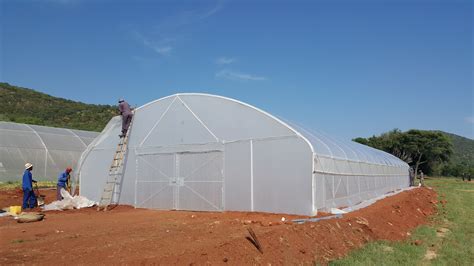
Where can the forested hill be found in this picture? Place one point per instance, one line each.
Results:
(22, 105)
(463, 149)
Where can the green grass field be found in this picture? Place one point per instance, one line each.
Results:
(447, 240)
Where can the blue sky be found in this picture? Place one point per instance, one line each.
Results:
(348, 68)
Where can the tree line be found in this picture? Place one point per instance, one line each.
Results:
(429, 151)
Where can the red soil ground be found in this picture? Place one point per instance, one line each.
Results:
(126, 235)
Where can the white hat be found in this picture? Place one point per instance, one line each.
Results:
(28, 165)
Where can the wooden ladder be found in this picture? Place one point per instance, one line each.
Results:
(112, 186)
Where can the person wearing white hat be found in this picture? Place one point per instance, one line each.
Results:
(29, 198)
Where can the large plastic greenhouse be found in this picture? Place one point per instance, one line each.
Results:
(210, 153)
(49, 149)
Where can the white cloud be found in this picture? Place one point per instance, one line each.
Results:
(164, 50)
(470, 119)
(232, 75)
(158, 38)
(212, 11)
(183, 19)
(225, 60)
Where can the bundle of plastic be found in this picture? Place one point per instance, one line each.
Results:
(29, 217)
(69, 202)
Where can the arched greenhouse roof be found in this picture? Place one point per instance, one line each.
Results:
(321, 144)
(330, 147)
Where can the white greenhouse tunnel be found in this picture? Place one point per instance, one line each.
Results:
(211, 153)
(49, 149)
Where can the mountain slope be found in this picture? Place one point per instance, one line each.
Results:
(28, 106)
(463, 149)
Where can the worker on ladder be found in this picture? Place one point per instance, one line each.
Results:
(63, 181)
(126, 113)
(116, 169)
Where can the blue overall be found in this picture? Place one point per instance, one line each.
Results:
(62, 182)
(29, 198)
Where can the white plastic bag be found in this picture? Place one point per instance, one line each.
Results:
(69, 202)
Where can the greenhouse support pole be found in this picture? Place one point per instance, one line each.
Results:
(251, 175)
(156, 124)
(136, 178)
(313, 185)
(45, 148)
(45, 162)
(79, 138)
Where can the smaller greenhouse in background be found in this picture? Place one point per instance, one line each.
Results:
(49, 149)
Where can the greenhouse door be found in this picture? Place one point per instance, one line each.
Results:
(180, 181)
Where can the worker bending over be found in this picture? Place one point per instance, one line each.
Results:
(63, 181)
(29, 198)
(126, 113)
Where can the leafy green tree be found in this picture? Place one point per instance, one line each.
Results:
(362, 141)
(391, 142)
(419, 148)
(426, 147)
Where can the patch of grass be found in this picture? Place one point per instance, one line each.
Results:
(392, 253)
(17, 184)
(18, 241)
(456, 247)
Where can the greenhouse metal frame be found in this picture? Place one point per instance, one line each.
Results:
(205, 152)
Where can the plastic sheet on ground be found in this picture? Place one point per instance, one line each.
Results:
(337, 211)
(69, 202)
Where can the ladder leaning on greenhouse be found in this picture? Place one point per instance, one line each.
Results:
(113, 183)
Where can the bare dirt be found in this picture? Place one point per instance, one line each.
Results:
(126, 235)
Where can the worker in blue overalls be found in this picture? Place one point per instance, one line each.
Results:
(63, 181)
(29, 198)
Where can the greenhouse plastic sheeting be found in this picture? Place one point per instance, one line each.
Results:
(211, 153)
(49, 149)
